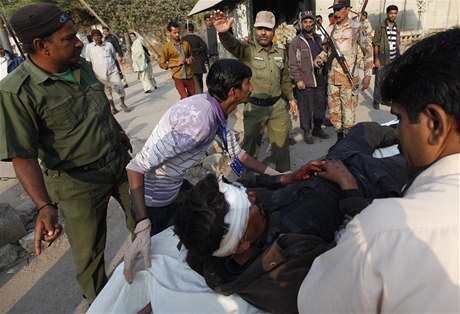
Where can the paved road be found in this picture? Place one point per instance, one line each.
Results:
(46, 284)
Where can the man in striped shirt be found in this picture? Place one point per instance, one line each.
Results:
(101, 56)
(386, 48)
(177, 143)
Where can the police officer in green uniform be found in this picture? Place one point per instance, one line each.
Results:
(53, 108)
(270, 79)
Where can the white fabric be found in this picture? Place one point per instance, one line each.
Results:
(202, 5)
(170, 285)
(102, 59)
(4, 66)
(400, 255)
(138, 54)
(236, 218)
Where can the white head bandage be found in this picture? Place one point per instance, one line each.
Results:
(236, 218)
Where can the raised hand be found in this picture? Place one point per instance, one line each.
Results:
(221, 23)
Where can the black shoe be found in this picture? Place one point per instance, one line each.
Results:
(376, 105)
(148, 91)
(307, 137)
(318, 132)
(156, 87)
(126, 86)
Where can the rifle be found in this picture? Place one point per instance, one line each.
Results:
(12, 34)
(361, 12)
(338, 55)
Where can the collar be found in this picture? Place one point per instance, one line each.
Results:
(217, 109)
(344, 24)
(259, 48)
(38, 76)
(103, 43)
(446, 166)
(385, 23)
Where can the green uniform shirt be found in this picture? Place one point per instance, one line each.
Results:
(270, 73)
(62, 123)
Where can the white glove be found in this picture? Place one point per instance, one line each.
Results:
(271, 172)
(140, 245)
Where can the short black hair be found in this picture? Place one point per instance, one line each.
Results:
(207, 16)
(425, 74)
(392, 8)
(225, 74)
(199, 221)
(190, 27)
(172, 24)
(105, 28)
(365, 13)
(329, 15)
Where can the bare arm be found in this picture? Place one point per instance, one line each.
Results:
(136, 189)
(253, 164)
(30, 176)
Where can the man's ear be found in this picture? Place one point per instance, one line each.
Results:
(231, 93)
(40, 46)
(438, 123)
(243, 246)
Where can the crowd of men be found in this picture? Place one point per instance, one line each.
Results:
(57, 109)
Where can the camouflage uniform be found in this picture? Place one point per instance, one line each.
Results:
(349, 37)
(367, 27)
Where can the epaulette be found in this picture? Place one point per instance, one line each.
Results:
(14, 80)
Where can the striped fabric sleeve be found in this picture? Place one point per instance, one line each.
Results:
(234, 149)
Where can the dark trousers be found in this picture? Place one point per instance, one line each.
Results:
(162, 217)
(82, 199)
(311, 102)
(377, 96)
(377, 177)
(185, 87)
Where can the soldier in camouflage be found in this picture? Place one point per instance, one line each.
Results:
(342, 95)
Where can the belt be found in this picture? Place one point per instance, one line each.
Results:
(267, 102)
(95, 165)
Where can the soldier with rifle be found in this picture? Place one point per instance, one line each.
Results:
(344, 38)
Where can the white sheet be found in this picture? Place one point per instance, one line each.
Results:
(170, 285)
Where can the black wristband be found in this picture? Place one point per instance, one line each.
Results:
(47, 204)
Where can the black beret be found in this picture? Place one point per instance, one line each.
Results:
(37, 20)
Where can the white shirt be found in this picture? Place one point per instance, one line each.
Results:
(3, 66)
(400, 255)
(102, 59)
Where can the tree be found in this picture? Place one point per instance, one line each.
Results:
(120, 15)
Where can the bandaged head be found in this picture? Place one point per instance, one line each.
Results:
(236, 218)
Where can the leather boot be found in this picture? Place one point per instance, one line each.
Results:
(307, 137)
(317, 131)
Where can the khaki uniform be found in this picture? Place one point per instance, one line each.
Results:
(342, 101)
(270, 79)
(69, 127)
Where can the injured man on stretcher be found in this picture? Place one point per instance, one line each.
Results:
(238, 250)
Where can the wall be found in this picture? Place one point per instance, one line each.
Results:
(439, 14)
